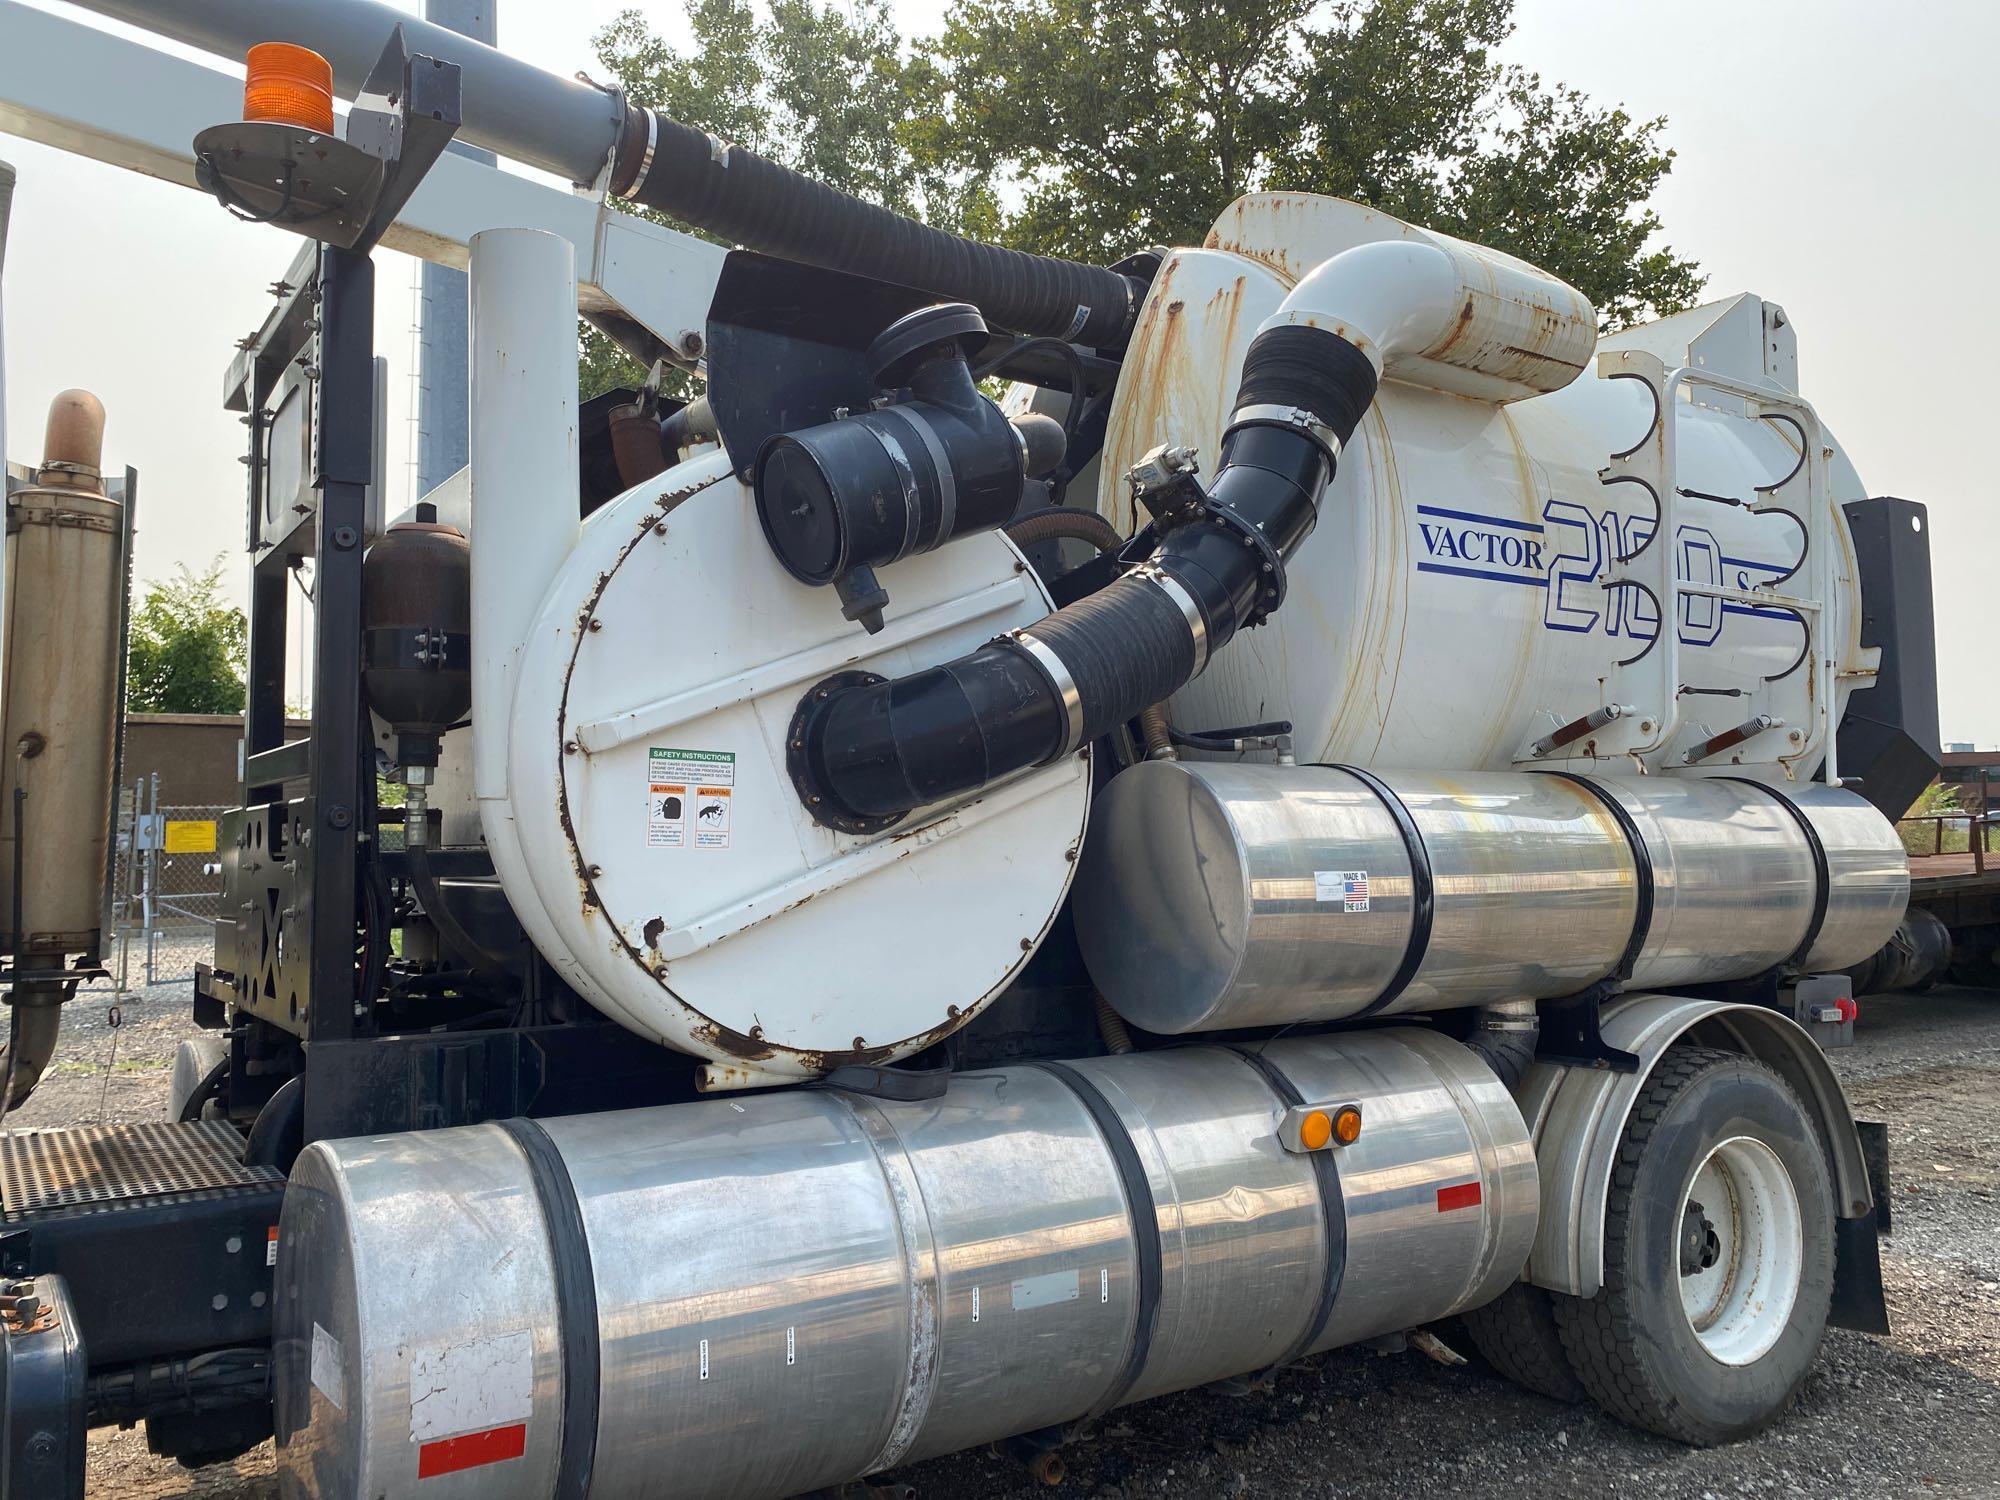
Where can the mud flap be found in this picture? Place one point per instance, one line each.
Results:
(1858, 1299)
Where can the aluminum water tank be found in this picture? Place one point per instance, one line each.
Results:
(1217, 895)
(763, 1296)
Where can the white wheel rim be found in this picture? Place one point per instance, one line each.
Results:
(1739, 1305)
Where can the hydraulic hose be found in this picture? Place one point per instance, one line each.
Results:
(762, 206)
(1054, 521)
(874, 751)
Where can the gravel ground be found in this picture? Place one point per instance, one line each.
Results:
(1917, 1413)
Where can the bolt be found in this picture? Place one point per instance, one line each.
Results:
(859, 1043)
(1027, 945)
(594, 871)
(344, 537)
(569, 747)
(339, 816)
(596, 624)
(692, 345)
(660, 529)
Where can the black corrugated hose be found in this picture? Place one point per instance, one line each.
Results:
(762, 206)
(878, 750)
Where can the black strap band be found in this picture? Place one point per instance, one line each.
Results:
(1145, 1217)
(1332, 1208)
(1423, 891)
(1822, 873)
(576, 1306)
(1643, 885)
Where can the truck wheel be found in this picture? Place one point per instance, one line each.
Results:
(1718, 1254)
(1516, 1334)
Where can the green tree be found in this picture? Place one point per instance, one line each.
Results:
(1124, 126)
(188, 647)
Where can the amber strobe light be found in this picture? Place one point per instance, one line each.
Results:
(290, 86)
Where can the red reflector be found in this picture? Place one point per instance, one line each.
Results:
(1848, 1009)
(1459, 1195)
(469, 1451)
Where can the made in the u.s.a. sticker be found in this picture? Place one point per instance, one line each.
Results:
(689, 789)
(1348, 887)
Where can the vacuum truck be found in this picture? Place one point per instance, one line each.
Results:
(1047, 835)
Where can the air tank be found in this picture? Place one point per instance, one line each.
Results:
(1457, 601)
(65, 585)
(767, 1295)
(1216, 895)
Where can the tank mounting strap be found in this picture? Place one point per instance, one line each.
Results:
(1332, 1207)
(1145, 1224)
(1643, 885)
(1822, 872)
(1423, 890)
(576, 1306)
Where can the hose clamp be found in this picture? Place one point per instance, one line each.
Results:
(646, 160)
(1064, 684)
(1175, 590)
(1270, 414)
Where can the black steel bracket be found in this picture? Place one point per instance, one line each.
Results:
(1572, 1032)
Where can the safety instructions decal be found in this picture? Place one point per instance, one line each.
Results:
(689, 789)
(1348, 887)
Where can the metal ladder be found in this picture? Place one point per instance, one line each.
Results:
(1647, 688)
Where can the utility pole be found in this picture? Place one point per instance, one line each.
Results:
(441, 377)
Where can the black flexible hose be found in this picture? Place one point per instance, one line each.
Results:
(874, 751)
(417, 860)
(749, 201)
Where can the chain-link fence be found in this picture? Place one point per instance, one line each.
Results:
(166, 888)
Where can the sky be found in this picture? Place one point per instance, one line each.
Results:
(1834, 156)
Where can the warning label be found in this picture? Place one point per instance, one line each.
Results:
(711, 817)
(1348, 887)
(688, 787)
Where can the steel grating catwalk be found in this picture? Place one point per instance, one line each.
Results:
(96, 1164)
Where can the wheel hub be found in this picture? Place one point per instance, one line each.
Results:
(1740, 1243)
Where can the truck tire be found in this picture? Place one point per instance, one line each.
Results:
(1516, 1333)
(1718, 1254)
(201, 1065)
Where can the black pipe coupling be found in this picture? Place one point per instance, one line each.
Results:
(931, 460)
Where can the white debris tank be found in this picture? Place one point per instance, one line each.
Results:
(1485, 573)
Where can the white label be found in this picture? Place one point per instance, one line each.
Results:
(1040, 1291)
(704, 1359)
(688, 788)
(271, 1247)
(791, 1345)
(975, 1304)
(469, 1387)
(1348, 887)
(326, 1376)
(1104, 1285)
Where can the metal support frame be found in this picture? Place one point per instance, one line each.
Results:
(1646, 689)
(344, 447)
